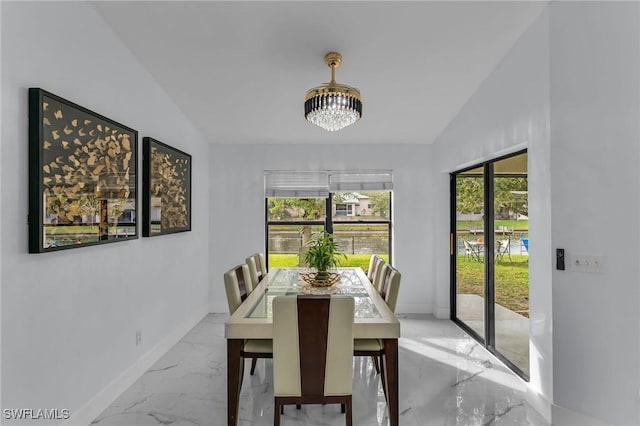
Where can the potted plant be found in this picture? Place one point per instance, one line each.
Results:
(323, 254)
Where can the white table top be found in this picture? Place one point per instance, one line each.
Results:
(373, 318)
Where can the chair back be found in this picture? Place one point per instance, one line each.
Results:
(237, 285)
(378, 275)
(312, 345)
(302, 252)
(257, 267)
(373, 261)
(504, 245)
(375, 266)
(390, 286)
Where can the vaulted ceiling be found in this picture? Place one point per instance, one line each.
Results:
(239, 70)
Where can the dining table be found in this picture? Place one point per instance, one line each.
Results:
(254, 320)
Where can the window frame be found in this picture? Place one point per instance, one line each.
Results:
(328, 222)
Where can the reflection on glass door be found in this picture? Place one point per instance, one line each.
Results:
(470, 282)
(511, 276)
(490, 267)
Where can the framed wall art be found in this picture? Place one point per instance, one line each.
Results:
(82, 176)
(166, 200)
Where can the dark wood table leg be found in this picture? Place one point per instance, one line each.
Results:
(390, 360)
(235, 372)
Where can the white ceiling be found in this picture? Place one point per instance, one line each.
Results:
(239, 70)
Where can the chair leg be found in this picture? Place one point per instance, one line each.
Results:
(254, 361)
(276, 413)
(343, 408)
(382, 377)
(349, 416)
(298, 406)
(375, 363)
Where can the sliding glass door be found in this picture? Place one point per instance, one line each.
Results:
(489, 257)
(469, 230)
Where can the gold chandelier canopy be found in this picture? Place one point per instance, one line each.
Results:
(333, 106)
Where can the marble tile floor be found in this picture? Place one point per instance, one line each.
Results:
(446, 378)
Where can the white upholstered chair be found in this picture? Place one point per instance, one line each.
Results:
(238, 277)
(313, 352)
(302, 252)
(374, 274)
(257, 267)
(253, 348)
(389, 289)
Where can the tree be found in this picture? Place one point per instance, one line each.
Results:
(510, 195)
(469, 195)
(297, 208)
(381, 201)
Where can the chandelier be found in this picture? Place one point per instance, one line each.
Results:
(332, 106)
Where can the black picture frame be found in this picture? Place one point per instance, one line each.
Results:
(166, 188)
(82, 176)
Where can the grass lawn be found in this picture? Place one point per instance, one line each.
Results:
(512, 281)
(72, 229)
(355, 260)
(512, 277)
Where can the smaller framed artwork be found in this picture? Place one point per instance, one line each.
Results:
(82, 176)
(166, 187)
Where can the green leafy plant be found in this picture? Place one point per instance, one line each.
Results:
(323, 253)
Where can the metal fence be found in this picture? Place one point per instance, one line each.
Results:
(353, 244)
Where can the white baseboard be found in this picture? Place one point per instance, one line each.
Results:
(539, 403)
(96, 405)
(443, 312)
(413, 308)
(561, 416)
(218, 308)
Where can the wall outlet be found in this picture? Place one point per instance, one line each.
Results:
(138, 338)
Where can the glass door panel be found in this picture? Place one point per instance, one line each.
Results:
(470, 265)
(511, 289)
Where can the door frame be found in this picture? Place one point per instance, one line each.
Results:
(489, 342)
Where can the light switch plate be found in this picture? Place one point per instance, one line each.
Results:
(588, 263)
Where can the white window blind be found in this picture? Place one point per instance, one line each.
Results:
(318, 184)
(378, 180)
(296, 184)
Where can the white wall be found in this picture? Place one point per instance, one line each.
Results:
(510, 111)
(238, 211)
(1, 46)
(570, 91)
(69, 318)
(595, 148)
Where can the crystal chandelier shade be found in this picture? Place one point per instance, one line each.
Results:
(333, 106)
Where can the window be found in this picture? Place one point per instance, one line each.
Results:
(360, 220)
(365, 232)
(344, 210)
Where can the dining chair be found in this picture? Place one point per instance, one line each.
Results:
(241, 279)
(313, 352)
(389, 289)
(257, 267)
(302, 252)
(375, 267)
(253, 348)
(504, 247)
